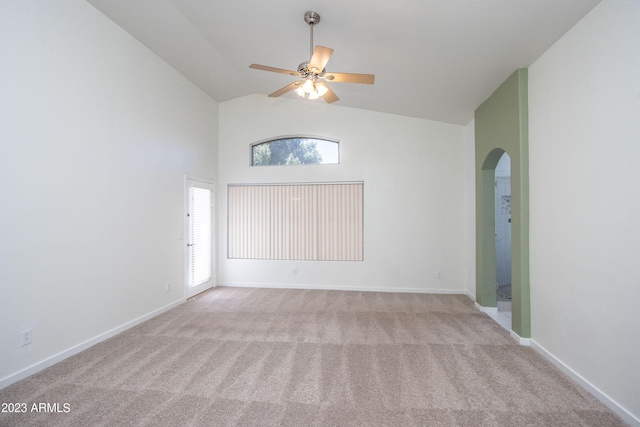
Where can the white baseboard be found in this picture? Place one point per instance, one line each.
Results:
(50, 361)
(493, 312)
(522, 341)
(343, 288)
(488, 310)
(626, 416)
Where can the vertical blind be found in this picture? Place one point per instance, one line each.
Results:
(296, 221)
(201, 255)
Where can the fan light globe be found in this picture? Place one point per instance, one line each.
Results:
(322, 89)
(308, 85)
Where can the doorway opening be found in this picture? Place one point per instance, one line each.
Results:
(502, 186)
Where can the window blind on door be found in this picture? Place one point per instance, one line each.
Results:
(201, 267)
(296, 221)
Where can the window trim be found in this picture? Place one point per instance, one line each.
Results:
(296, 136)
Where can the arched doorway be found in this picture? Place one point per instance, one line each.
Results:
(502, 185)
(501, 125)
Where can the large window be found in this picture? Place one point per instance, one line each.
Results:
(296, 221)
(295, 151)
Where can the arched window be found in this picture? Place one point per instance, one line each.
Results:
(295, 150)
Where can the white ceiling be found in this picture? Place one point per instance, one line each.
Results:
(433, 59)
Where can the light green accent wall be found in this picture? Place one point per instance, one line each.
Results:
(502, 125)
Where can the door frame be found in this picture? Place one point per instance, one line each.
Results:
(190, 291)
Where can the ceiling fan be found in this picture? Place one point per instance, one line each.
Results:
(314, 77)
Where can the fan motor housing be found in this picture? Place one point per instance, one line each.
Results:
(304, 70)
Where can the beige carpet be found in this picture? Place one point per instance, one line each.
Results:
(238, 356)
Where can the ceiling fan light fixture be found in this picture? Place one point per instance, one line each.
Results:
(311, 89)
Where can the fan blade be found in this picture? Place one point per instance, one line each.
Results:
(330, 96)
(285, 89)
(366, 79)
(273, 69)
(320, 58)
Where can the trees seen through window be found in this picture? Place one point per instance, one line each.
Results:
(295, 151)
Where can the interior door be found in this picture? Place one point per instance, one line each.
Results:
(199, 255)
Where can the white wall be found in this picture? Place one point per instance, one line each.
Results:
(96, 134)
(470, 207)
(584, 109)
(415, 200)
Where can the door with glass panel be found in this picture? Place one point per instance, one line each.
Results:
(199, 255)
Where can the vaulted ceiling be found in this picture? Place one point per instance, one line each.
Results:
(433, 59)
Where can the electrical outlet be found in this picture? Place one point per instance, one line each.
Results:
(295, 272)
(168, 287)
(439, 274)
(26, 337)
